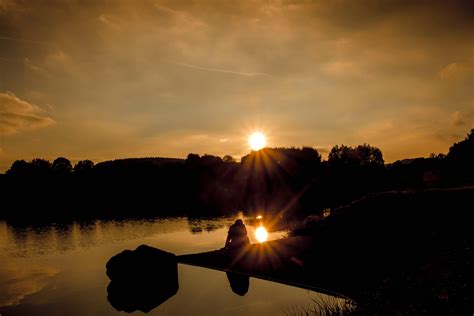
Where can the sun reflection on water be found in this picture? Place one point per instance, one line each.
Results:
(261, 234)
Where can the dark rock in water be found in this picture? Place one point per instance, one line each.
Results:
(143, 262)
(141, 279)
(143, 295)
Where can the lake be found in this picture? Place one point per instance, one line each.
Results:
(59, 269)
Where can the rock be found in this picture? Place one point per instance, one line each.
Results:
(143, 262)
(141, 279)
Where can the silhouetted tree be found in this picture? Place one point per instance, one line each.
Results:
(416, 173)
(353, 172)
(228, 158)
(460, 160)
(439, 156)
(310, 154)
(62, 166)
(362, 155)
(210, 160)
(40, 167)
(193, 159)
(341, 155)
(370, 155)
(271, 179)
(83, 166)
(463, 151)
(19, 168)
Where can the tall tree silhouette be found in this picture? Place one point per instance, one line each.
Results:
(460, 160)
(362, 155)
(83, 167)
(62, 166)
(40, 167)
(463, 151)
(19, 168)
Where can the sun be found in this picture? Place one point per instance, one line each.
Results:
(257, 141)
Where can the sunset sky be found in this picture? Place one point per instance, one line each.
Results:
(113, 79)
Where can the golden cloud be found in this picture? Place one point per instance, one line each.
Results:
(17, 115)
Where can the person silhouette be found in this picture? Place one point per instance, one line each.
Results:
(237, 236)
(239, 283)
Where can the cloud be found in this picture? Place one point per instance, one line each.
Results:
(316, 70)
(5, 5)
(241, 73)
(21, 40)
(462, 118)
(17, 115)
(457, 119)
(457, 70)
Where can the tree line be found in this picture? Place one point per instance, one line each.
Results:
(276, 180)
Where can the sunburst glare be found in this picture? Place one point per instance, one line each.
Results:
(261, 234)
(257, 141)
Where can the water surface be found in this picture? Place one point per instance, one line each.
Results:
(59, 269)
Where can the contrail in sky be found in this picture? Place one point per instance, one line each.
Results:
(22, 40)
(247, 74)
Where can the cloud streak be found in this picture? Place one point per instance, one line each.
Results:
(17, 115)
(4, 38)
(240, 73)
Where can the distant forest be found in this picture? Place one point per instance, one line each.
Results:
(281, 181)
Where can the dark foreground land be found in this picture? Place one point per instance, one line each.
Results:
(389, 253)
(400, 251)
